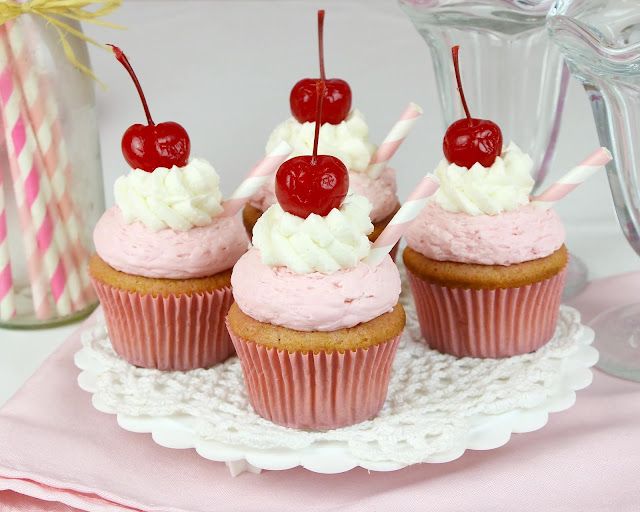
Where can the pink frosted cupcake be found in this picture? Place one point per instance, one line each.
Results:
(315, 327)
(486, 267)
(164, 256)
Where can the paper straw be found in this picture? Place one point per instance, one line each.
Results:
(402, 220)
(26, 174)
(256, 179)
(393, 140)
(40, 108)
(573, 178)
(7, 297)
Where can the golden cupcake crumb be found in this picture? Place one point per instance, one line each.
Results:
(103, 272)
(368, 334)
(484, 277)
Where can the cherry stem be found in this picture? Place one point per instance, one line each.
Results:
(321, 42)
(319, 95)
(456, 67)
(122, 58)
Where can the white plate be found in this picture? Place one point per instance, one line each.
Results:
(513, 395)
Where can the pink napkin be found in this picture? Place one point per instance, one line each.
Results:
(55, 447)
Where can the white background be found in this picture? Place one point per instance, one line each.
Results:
(224, 70)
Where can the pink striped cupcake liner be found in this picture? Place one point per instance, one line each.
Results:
(176, 332)
(487, 323)
(316, 391)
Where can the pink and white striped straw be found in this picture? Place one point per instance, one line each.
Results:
(402, 220)
(7, 296)
(393, 140)
(256, 179)
(579, 174)
(26, 174)
(40, 109)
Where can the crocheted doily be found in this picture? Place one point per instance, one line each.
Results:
(437, 405)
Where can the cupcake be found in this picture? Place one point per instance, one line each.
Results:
(486, 266)
(344, 133)
(315, 327)
(164, 254)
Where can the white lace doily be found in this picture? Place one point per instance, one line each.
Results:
(437, 405)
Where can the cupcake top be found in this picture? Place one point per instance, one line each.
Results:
(348, 141)
(483, 215)
(309, 275)
(167, 224)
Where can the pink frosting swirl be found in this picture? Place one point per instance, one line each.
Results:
(198, 252)
(314, 302)
(524, 234)
(381, 193)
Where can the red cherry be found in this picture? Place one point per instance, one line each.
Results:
(312, 183)
(336, 99)
(305, 186)
(469, 141)
(336, 103)
(150, 146)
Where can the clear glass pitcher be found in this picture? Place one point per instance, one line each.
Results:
(512, 75)
(51, 191)
(600, 40)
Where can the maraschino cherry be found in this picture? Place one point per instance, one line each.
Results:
(312, 183)
(469, 140)
(150, 146)
(336, 103)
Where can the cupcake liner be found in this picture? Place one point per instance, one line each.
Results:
(487, 323)
(175, 332)
(318, 391)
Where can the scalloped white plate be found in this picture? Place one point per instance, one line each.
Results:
(486, 431)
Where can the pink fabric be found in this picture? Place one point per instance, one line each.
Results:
(487, 323)
(318, 391)
(525, 234)
(177, 332)
(55, 446)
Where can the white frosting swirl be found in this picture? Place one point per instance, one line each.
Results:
(503, 187)
(315, 244)
(348, 141)
(179, 198)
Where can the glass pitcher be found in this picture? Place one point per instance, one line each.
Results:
(600, 40)
(512, 75)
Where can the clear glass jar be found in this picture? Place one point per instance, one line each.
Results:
(52, 186)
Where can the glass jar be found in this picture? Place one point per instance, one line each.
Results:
(51, 188)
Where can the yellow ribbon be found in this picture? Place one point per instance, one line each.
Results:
(55, 11)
